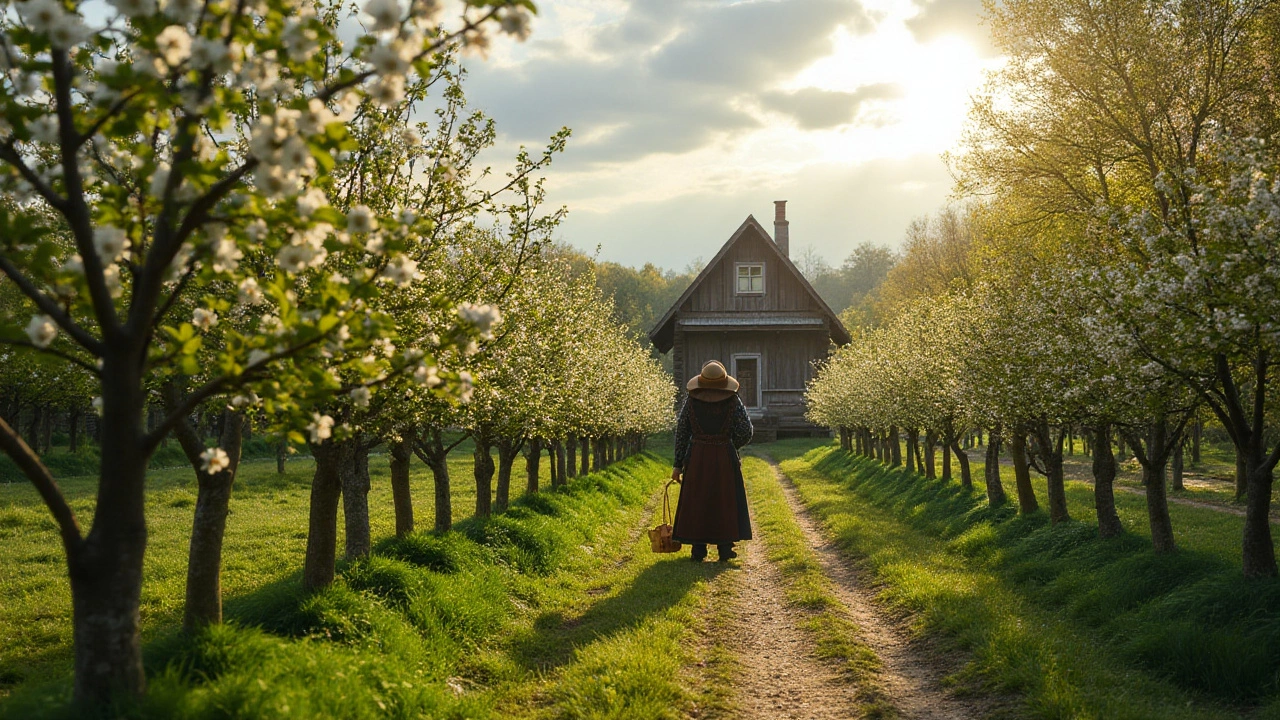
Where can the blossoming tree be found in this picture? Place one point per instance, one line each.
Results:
(124, 136)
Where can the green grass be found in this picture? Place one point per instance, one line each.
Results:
(1082, 628)
(553, 609)
(835, 636)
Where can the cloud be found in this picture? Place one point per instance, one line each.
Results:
(667, 76)
(952, 17)
(831, 207)
(815, 109)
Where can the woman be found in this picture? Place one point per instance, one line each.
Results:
(713, 500)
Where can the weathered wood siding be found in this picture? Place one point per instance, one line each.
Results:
(786, 358)
(783, 292)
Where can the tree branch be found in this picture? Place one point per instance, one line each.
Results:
(27, 460)
(49, 307)
(51, 351)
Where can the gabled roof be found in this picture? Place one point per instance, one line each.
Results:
(662, 334)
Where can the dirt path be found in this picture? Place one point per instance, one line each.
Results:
(911, 675)
(778, 677)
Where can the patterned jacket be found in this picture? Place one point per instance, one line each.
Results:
(740, 430)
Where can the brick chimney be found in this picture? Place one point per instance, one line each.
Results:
(781, 235)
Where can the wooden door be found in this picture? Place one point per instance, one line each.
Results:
(747, 370)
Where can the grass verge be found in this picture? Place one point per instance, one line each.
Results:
(1080, 627)
(494, 619)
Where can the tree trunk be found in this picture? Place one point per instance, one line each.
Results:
(282, 452)
(73, 429)
(533, 464)
(1258, 548)
(1104, 476)
(966, 478)
(401, 497)
(930, 444)
(355, 501)
(437, 458)
(1176, 462)
(508, 451)
(895, 447)
(1242, 473)
(912, 437)
(571, 455)
(483, 473)
(597, 452)
(1153, 455)
(1051, 455)
(1197, 426)
(1121, 454)
(204, 558)
(947, 442)
(991, 470)
(559, 460)
(326, 490)
(1022, 473)
(33, 428)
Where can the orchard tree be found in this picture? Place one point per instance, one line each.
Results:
(122, 137)
(1198, 298)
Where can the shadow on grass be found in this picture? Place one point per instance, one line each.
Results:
(554, 638)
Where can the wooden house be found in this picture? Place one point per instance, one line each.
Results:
(753, 310)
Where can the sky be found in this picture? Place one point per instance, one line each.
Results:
(688, 115)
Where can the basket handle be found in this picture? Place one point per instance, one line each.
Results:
(666, 503)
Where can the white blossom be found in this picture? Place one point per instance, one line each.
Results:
(226, 256)
(250, 293)
(384, 13)
(402, 270)
(214, 461)
(427, 375)
(42, 16)
(360, 396)
(110, 242)
(44, 129)
(256, 230)
(483, 317)
(310, 201)
(111, 277)
(516, 22)
(203, 319)
(388, 91)
(320, 428)
(360, 219)
(42, 331)
(174, 45)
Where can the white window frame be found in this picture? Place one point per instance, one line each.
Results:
(737, 270)
(759, 406)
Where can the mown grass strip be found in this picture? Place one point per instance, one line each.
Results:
(1051, 613)
(629, 645)
(834, 634)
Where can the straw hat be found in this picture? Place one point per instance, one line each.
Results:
(713, 377)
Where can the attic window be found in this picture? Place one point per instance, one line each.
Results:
(750, 278)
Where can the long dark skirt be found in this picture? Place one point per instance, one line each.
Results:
(713, 498)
